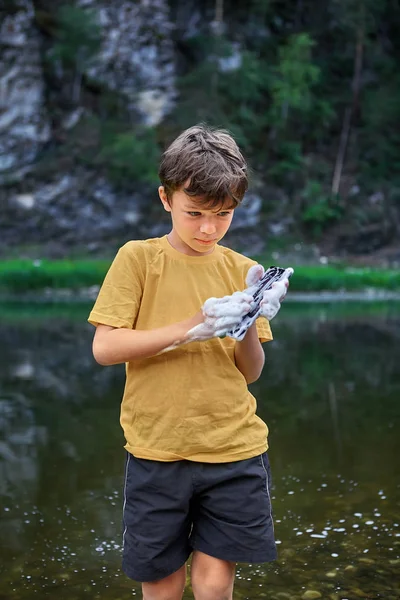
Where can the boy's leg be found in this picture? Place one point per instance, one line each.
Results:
(157, 523)
(232, 522)
(212, 578)
(169, 588)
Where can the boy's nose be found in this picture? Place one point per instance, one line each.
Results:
(207, 228)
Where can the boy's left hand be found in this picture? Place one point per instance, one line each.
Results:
(271, 302)
(272, 298)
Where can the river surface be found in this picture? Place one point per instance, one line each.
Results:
(330, 393)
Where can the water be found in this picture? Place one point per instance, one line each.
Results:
(330, 393)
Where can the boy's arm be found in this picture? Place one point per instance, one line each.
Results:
(249, 355)
(217, 316)
(112, 346)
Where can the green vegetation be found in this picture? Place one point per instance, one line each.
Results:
(78, 36)
(33, 313)
(313, 94)
(318, 278)
(21, 276)
(311, 91)
(131, 156)
(78, 40)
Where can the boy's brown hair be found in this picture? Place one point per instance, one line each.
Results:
(206, 163)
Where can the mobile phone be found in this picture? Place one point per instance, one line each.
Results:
(271, 275)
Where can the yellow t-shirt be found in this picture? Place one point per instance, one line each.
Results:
(192, 402)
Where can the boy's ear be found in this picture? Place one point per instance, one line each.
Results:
(164, 199)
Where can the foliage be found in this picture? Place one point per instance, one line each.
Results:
(78, 37)
(380, 137)
(281, 77)
(131, 156)
(25, 275)
(19, 276)
(320, 209)
(288, 160)
(295, 76)
(258, 100)
(319, 278)
(290, 82)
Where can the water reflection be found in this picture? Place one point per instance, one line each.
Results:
(330, 395)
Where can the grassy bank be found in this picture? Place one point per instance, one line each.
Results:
(21, 276)
(32, 315)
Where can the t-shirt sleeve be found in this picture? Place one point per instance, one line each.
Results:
(263, 330)
(119, 298)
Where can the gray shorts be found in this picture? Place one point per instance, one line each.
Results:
(173, 508)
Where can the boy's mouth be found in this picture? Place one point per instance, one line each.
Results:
(205, 241)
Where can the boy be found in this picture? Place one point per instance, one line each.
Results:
(197, 474)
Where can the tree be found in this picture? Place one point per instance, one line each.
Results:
(359, 18)
(295, 76)
(78, 41)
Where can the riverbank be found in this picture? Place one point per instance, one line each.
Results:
(70, 277)
(32, 313)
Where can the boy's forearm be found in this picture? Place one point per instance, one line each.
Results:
(249, 355)
(124, 345)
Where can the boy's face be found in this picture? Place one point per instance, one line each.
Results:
(195, 229)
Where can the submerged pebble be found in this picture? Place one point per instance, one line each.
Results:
(311, 595)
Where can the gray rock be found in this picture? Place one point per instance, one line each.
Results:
(136, 56)
(233, 61)
(247, 214)
(48, 193)
(25, 201)
(78, 208)
(72, 118)
(376, 198)
(132, 217)
(24, 370)
(24, 123)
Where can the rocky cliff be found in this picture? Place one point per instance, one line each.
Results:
(56, 196)
(91, 92)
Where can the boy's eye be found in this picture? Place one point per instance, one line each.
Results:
(224, 213)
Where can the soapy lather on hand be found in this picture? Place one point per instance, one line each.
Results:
(220, 315)
(233, 315)
(271, 298)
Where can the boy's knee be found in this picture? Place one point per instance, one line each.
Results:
(170, 588)
(211, 590)
(212, 579)
(161, 592)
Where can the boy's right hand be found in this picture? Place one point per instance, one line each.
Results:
(219, 315)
